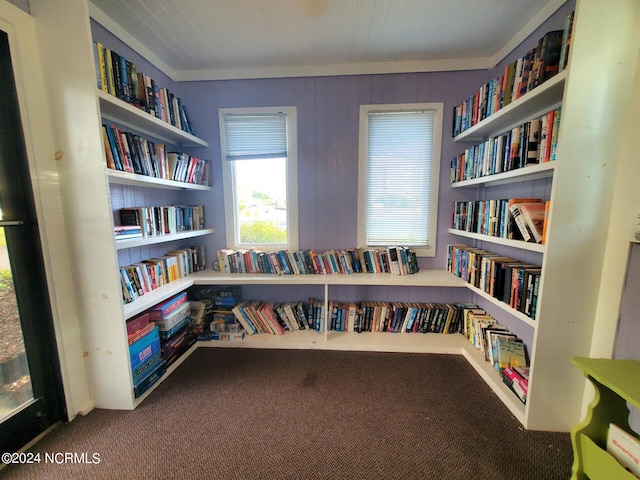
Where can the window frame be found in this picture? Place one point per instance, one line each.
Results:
(228, 179)
(438, 107)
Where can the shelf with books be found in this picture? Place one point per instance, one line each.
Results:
(529, 173)
(155, 239)
(533, 104)
(134, 179)
(122, 113)
(533, 247)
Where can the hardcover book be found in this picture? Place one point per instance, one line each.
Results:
(529, 217)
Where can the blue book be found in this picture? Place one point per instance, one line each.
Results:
(143, 349)
(150, 380)
(124, 78)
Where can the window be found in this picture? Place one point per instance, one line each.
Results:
(260, 177)
(398, 175)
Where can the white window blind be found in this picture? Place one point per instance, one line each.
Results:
(252, 137)
(399, 169)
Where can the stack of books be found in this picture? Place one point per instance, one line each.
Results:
(147, 366)
(125, 232)
(172, 318)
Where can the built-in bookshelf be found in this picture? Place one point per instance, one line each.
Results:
(125, 186)
(593, 92)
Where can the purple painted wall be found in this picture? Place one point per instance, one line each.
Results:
(328, 131)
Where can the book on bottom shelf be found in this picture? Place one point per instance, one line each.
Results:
(173, 347)
(517, 382)
(625, 448)
(151, 379)
(144, 348)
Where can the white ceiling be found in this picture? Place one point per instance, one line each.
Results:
(216, 39)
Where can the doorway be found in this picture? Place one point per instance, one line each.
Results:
(31, 394)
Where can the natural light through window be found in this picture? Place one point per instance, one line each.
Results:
(261, 201)
(259, 176)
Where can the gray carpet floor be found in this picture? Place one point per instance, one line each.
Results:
(308, 414)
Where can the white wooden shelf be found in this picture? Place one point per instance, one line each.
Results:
(136, 180)
(424, 278)
(156, 296)
(533, 104)
(532, 172)
(152, 240)
(522, 245)
(117, 111)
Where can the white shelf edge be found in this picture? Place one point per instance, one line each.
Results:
(120, 112)
(170, 369)
(424, 278)
(533, 247)
(532, 172)
(126, 178)
(504, 306)
(535, 102)
(350, 341)
(153, 297)
(142, 241)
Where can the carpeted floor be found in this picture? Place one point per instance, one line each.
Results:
(307, 414)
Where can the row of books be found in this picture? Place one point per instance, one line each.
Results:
(257, 316)
(535, 67)
(119, 77)
(509, 280)
(513, 218)
(530, 143)
(394, 317)
(128, 152)
(394, 260)
(145, 276)
(163, 220)
(500, 347)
